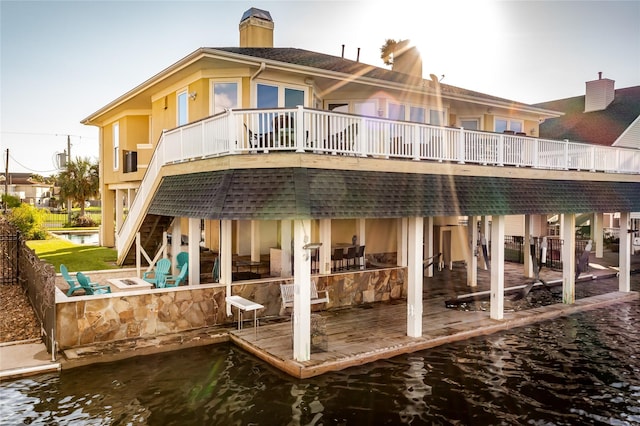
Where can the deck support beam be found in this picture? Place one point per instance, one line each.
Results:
(527, 242)
(597, 234)
(325, 249)
(568, 227)
(624, 278)
(226, 257)
(176, 243)
(255, 241)
(497, 267)
(414, 276)
(402, 242)
(285, 246)
(428, 246)
(472, 257)
(302, 291)
(194, 250)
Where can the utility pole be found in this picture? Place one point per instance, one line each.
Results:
(69, 170)
(6, 182)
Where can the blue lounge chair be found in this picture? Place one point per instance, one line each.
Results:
(91, 288)
(158, 275)
(73, 283)
(176, 280)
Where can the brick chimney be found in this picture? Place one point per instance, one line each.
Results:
(406, 59)
(256, 28)
(599, 94)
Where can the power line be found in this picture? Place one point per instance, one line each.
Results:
(30, 169)
(47, 134)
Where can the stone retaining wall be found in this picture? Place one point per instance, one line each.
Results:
(84, 320)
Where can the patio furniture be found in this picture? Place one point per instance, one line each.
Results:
(73, 283)
(337, 257)
(360, 257)
(244, 305)
(176, 280)
(157, 276)
(91, 288)
(351, 256)
(182, 258)
(287, 291)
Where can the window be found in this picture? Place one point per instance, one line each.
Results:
(417, 114)
(116, 145)
(470, 123)
(396, 112)
(365, 108)
(225, 96)
(183, 115)
(436, 117)
(267, 96)
(293, 97)
(503, 124)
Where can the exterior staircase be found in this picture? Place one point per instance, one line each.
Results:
(151, 231)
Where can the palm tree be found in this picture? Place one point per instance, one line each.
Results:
(80, 181)
(387, 51)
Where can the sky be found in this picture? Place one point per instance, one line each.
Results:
(61, 61)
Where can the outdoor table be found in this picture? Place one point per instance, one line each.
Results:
(128, 284)
(244, 305)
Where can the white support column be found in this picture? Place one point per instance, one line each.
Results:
(597, 233)
(568, 226)
(194, 251)
(528, 235)
(428, 246)
(624, 279)
(497, 267)
(402, 242)
(302, 292)
(361, 231)
(226, 257)
(325, 250)
(255, 241)
(176, 242)
(119, 210)
(414, 277)
(285, 242)
(472, 260)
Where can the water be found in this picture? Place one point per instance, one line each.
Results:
(577, 370)
(76, 238)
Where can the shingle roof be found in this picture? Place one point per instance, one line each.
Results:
(301, 193)
(338, 64)
(596, 127)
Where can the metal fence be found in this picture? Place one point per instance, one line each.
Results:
(22, 267)
(514, 250)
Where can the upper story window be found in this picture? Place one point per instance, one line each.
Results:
(470, 123)
(504, 124)
(417, 114)
(182, 108)
(225, 95)
(272, 96)
(437, 117)
(396, 112)
(116, 145)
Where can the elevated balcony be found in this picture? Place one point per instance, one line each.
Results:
(306, 130)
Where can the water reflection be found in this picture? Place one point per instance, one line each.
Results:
(582, 369)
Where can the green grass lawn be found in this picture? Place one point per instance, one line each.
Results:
(75, 256)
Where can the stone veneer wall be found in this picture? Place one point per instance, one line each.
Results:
(83, 320)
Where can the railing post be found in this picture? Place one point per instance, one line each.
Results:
(415, 130)
(500, 158)
(536, 148)
(461, 146)
(300, 139)
(566, 154)
(593, 158)
(363, 136)
(233, 137)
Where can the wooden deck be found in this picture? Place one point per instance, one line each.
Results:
(361, 335)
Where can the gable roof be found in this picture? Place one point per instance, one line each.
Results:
(596, 127)
(306, 193)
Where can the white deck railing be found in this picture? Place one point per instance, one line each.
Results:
(310, 130)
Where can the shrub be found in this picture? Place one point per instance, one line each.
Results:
(11, 201)
(30, 221)
(85, 221)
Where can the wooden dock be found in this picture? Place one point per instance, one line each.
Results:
(358, 336)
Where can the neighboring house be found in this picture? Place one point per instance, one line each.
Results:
(21, 185)
(254, 148)
(603, 116)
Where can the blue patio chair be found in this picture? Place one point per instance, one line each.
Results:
(157, 276)
(182, 258)
(73, 283)
(91, 288)
(176, 280)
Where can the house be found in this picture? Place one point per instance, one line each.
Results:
(261, 151)
(29, 191)
(605, 116)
